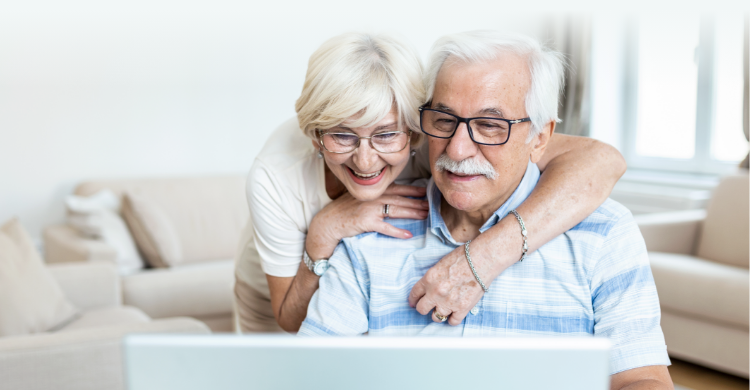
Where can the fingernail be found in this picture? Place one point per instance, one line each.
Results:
(407, 235)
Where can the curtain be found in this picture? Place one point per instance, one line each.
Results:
(571, 35)
(746, 73)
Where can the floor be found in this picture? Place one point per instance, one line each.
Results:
(693, 377)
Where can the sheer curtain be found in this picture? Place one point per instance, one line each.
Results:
(571, 36)
(746, 73)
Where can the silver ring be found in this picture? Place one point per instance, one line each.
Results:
(386, 210)
(441, 317)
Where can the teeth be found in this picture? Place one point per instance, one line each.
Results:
(366, 175)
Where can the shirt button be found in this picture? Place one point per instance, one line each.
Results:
(474, 310)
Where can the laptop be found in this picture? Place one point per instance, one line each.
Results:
(227, 362)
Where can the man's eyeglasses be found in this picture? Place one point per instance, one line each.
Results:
(345, 142)
(483, 131)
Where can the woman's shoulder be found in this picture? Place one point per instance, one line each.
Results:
(287, 162)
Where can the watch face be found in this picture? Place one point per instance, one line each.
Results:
(320, 267)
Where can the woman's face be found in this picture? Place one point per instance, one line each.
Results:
(365, 172)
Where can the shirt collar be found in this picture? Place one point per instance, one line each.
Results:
(434, 197)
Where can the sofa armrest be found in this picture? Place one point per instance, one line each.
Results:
(671, 232)
(64, 244)
(77, 360)
(88, 285)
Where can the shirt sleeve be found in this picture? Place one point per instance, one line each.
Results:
(278, 239)
(340, 307)
(626, 306)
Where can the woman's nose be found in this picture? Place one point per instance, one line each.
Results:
(365, 156)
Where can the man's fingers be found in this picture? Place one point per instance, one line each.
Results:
(406, 212)
(416, 293)
(396, 189)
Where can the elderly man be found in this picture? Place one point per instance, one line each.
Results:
(492, 110)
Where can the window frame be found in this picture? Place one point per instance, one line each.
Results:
(701, 162)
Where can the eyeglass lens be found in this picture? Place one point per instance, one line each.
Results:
(486, 131)
(387, 142)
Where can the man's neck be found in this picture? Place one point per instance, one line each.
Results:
(465, 225)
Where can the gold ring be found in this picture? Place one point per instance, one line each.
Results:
(441, 317)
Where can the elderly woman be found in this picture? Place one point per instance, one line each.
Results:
(338, 169)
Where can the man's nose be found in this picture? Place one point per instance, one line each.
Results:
(461, 146)
(365, 156)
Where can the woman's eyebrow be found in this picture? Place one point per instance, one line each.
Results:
(385, 126)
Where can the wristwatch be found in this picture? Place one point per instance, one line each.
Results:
(318, 267)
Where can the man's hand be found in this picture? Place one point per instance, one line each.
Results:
(449, 287)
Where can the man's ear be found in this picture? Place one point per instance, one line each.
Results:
(540, 142)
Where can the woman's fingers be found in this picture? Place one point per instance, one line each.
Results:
(402, 190)
(406, 212)
(392, 231)
(404, 202)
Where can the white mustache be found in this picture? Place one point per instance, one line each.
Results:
(465, 167)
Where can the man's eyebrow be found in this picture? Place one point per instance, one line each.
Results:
(442, 107)
(492, 111)
(485, 111)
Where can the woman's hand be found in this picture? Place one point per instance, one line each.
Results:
(348, 217)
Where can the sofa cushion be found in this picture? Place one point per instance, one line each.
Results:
(31, 301)
(97, 216)
(119, 315)
(207, 213)
(726, 231)
(701, 288)
(152, 230)
(191, 290)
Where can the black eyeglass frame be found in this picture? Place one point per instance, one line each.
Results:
(510, 122)
(321, 133)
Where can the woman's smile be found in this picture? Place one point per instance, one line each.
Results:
(366, 179)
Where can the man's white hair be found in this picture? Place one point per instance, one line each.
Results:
(545, 65)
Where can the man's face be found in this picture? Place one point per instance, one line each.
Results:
(493, 89)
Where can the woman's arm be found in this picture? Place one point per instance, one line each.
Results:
(578, 176)
(344, 217)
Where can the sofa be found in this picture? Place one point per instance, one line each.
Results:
(200, 220)
(85, 353)
(699, 260)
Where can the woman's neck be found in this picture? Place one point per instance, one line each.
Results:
(334, 187)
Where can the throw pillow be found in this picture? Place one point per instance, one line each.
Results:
(31, 301)
(153, 231)
(97, 216)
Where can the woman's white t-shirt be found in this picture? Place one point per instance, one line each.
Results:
(285, 189)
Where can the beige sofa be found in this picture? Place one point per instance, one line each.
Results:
(85, 353)
(207, 215)
(700, 264)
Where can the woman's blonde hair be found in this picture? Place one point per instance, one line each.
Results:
(363, 75)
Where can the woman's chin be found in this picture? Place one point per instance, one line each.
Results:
(365, 193)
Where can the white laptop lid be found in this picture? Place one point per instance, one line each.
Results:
(229, 362)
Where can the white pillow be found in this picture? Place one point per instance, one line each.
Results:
(97, 216)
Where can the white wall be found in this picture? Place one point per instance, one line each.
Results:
(93, 89)
(159, 88)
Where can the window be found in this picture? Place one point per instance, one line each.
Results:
(685, 101)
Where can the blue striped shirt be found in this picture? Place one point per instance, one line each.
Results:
(594, 279)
